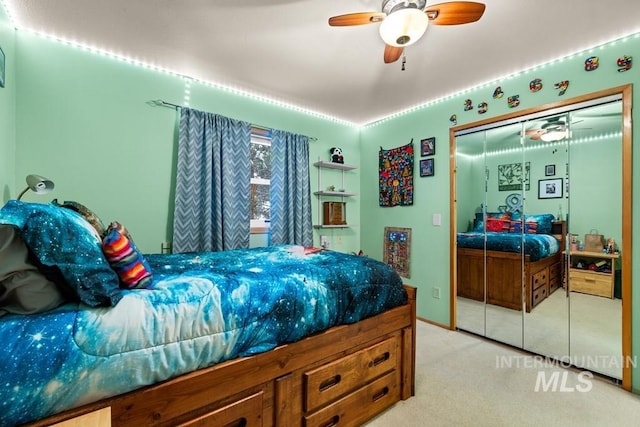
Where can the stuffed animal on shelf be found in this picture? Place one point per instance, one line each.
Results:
(611, 245)
(336, 155)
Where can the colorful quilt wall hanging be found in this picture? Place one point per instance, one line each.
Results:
(395, 169)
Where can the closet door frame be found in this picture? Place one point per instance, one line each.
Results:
(626, 92)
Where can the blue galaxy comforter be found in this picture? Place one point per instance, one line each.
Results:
(537, 246)
(202, 309)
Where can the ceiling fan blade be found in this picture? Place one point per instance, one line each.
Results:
(392, 53)
(359, 18)
(455, 12)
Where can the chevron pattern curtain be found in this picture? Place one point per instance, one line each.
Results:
(290, 192)
(212, 183)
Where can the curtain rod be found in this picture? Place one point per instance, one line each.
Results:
(161, 103)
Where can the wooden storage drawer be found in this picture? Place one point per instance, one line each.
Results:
(538, 295)
(540, 279)
(246, 412)
(324, 384)
(591, 282)
(555, 276)
(348, 411)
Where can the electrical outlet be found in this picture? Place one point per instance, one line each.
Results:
(436, 293)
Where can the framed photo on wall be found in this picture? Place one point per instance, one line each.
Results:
(550, 188)
(426, 167)
(428, 146)
(397, 249)
(550, 170)
(511, 176)
(2, 67)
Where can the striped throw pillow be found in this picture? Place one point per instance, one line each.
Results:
(125, 259)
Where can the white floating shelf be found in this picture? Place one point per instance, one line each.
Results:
(332, 165)
(333, 193)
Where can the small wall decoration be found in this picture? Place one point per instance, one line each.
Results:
(511, 176)
(563, 85)
(395, 169)
(624, 63)
(591, 63)
(2, 68)
(428, 146)
(550, 188)
(514, 202)
(468, 105)
(426, 167)
(513, 101)
(453, 120)
(483, 107)
(336, 155)
(498, 93)
(550, 170)
(535, 85)
(397, 249)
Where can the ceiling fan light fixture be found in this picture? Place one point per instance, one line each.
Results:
(404, 27)
(554, 135)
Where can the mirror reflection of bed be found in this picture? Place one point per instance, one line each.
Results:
(512, 185)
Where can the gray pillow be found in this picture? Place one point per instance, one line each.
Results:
(23, 288)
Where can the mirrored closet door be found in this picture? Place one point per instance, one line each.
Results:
(541, 226)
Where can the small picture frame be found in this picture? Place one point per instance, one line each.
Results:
(428, 146)
(426, 167)
(2, 68)
(550, 188)
(550, 170)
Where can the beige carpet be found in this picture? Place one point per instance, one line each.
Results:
(591, 324)
(462, 380)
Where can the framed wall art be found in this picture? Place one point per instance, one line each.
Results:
(550, 170)
(426, 167)
(511, 176)
(428, 146)
(550, 188)
(397, 249)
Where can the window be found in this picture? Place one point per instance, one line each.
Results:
(260, 154)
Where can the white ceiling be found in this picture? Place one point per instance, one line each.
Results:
(285, 50)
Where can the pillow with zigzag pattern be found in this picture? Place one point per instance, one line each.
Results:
(125, 259)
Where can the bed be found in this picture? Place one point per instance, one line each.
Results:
(498, 247)
(281, 335)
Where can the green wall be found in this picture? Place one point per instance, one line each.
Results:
(430, 244)
(85, 122)
(7, 111)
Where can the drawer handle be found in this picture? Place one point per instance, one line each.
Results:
(379, 395)
(331, 382)
(332, 422)
(380, 359)
(241, 422)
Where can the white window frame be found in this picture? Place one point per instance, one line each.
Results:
(260, 226)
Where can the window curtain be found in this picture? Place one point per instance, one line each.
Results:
(212, 183)
(290, 192)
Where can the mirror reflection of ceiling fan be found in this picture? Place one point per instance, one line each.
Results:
(403, 22)
(554, 129)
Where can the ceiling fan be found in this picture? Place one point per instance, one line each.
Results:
(403, 22)
(554, 129)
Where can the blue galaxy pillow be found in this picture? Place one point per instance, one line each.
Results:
(62, 240)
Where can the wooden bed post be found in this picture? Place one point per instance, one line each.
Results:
(409, 349)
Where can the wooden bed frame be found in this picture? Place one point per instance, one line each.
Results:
(504, 275)
(343, 376)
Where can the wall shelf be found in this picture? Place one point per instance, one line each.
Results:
(321, 193)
